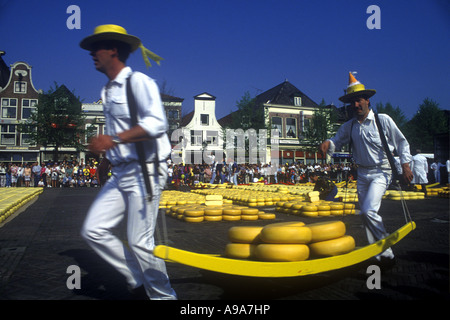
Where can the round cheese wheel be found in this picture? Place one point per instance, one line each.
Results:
(241, 234)
(337, 206)
(287, 223)
(213, 211)
(240, 250)
(266, 216)
(193, 213)
(231, 212)
(285, 234)
(227, 217)
(213, 218)
(337, 212)
(249, 217)
(327, 230)
(310, 213)
(333, 247)
(194, 219)
(309, 208)
(249, 211)
(282, 252)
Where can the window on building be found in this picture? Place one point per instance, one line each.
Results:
(212, 137)
(8, 134)
(91, 130)
(173, 114)
(9, 108)
(291, 128)
(196, 137)
(204, 119)
(298, 101)
(28, 107)
(306, 124)
(278, 125)
(20, 87)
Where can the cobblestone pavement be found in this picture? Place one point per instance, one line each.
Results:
(39, 244)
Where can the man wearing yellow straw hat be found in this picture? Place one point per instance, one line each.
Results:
(124, 194)
(374, 171)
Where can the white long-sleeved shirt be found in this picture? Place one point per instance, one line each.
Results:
(366, 143)
(151, 116)
(419, 167)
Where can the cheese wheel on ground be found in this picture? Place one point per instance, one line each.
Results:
(282, 252)
(213, 218)
(249, 217)
(193, 213)
(310, 213)
(323, 213)
(241, 234)
(285, 234)
(193, 219)
(332, 247)
(266, 216)
(213, 211)
(328, 230)
(287, 223)
(227, 217)
(323, 207)
(249, 211)
(309, 208)
(213, 203)
(231, 212)
(337, 212)
(337, 206)
(240, 250)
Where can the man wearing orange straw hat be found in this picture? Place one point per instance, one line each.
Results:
(124, 194)
(374, 171)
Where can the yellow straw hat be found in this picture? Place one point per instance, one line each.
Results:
(118, 33)
(356, 89)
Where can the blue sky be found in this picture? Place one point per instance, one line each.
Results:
(229, 47)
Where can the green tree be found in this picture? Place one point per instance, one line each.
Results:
(322, 126)
(395, 113)
(424, 125)
(57, 122)
(248, 115)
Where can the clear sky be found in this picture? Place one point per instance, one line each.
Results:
(229, 47)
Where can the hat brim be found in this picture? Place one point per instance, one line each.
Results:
(88, 42)
(349, 97)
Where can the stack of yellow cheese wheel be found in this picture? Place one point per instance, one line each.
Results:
(405, 195)
(288, 241)
(329, 239)
(12, 199)
(226, 212)
(321, 208)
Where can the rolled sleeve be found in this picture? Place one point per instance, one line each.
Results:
(151, 115)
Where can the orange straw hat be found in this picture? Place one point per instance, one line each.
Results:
(355, 89)
(118, 33)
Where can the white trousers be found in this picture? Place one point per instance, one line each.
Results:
(124, 196)
(372, 185)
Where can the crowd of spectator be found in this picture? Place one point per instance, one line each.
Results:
(79, 174)
(222, 172)
(50, 174)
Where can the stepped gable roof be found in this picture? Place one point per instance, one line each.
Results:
(283, 94)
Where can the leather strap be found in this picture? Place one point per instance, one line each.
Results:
(139, 144)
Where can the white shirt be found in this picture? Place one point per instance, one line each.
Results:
(150, 113)
(366, 143)
(419, 167)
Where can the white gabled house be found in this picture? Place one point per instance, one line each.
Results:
(201, 134)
